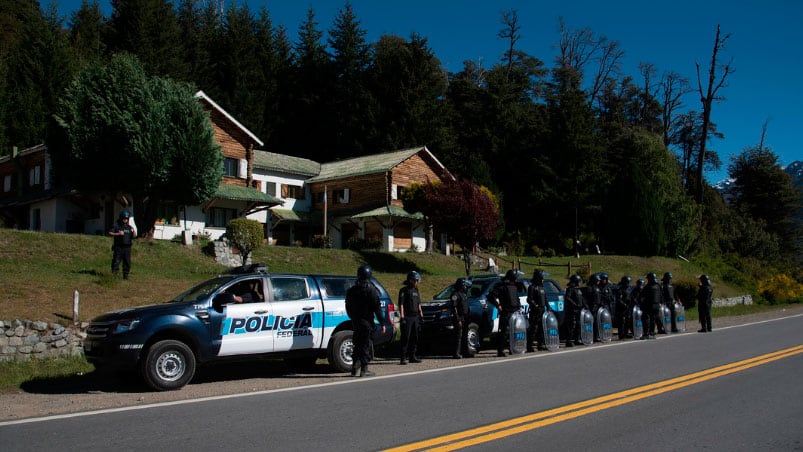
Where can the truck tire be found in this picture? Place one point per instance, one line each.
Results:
(473, 339)
(341, 346)
(168, 365)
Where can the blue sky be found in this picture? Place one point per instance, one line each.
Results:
(766, 47)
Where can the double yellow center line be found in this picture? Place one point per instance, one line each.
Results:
(534, 421)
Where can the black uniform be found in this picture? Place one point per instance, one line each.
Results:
(574, 303)
(704, 301)
(410, 302)
(650, 307)
(121, 250)
(362, 305)
(623, 310)
(536, 299)
(505, 297)
(632, 301)
(668, 296)
(606, 298)
(594, 302)
(459, 307)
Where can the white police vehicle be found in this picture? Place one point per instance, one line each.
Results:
(247, 312)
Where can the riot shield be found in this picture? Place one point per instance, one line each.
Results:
(518, 333)
(550, 325)
(665, 316)
(604, 325)
(680, 317)
(586, 327)
(638, 327)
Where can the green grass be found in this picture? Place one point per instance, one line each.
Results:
(15, 374)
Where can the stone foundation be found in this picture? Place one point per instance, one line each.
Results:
(24, 340)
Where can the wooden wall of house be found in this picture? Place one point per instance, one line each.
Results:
(414, 169)
(364, 191)
(234, 143)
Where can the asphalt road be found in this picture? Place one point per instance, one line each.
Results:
(672, 393)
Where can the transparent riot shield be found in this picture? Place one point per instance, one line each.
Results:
(665, 317)
(586, 327)
(680, 317)
(604, 325)
(638, 327)
(518, 333)
(550, 325)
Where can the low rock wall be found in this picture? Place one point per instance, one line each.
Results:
(733, 301)
(24, 340)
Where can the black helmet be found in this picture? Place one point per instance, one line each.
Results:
(511, 275)
(575, 279)
(639, 283)
(603, 276)
(538, 275)
(413, 276)
(652, 277)
(364, 272)
(125, 214)
(462, 283)
(705, 280)
(593, 279)
(667, 276)
(625, 280)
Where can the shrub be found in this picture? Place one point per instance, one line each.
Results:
(358, 244)
(246, 235)
(780, 288)
(321, 241)
(686, 291)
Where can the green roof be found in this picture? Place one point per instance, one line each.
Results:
(238, 193)
(385, 211)
(290, 215)
(285, 163)
(370, 164)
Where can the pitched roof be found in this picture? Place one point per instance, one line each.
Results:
(202, 95)
(238, 193)
(285, 163)
(392, 211)
(370, 164)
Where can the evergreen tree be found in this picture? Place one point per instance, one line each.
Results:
(87, 30)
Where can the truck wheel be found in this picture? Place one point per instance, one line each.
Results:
(341, 346)
(168, 365)
(473, 339)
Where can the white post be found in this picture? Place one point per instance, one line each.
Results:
(75, 299)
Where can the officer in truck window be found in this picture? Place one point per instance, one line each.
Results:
(246, 292)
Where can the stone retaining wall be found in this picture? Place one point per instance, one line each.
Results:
(23, 340)
(733, 301)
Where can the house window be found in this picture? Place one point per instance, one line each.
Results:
(7, 183)
(230, 167)
(318, 197)
(270, 188)
(35, 176)
(217, 217)
(340, 196)
(292, 191)
(167, 214)
(397, 191)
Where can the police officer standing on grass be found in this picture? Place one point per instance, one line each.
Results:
(536, 299)
(459, 306)
(704, 302)
(505, 297)
(668, 298)
(574, 303)
(411, 314)
(123, 234)
(362, 305)
(650, 305)
(623, 307)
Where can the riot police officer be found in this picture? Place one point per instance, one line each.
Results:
(505, 297)
(704, 301)
(593, 298)
(650, 305)
(459, 307)
(362, 305)
(411, 314)
(635, 300)
(574, 303)
(123, 234)
(622, 296)
(668, 298)
(606, 294)
(536, 299)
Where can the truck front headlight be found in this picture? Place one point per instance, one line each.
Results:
(125, 325)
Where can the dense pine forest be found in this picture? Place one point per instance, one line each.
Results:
(579, 154)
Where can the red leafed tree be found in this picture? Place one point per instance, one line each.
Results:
(464, 212)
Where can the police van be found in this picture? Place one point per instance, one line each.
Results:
(247, 312)
(436, 325)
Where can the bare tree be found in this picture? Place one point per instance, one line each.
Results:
(510, 20)
(673, 88)
(707, 100)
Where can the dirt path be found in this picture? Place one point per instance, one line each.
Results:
(97, 391)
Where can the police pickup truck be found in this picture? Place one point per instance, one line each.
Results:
(245, 313)
(484, 318)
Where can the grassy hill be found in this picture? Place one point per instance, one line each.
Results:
(39, 272)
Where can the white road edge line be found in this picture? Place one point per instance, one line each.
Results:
(336, 383)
